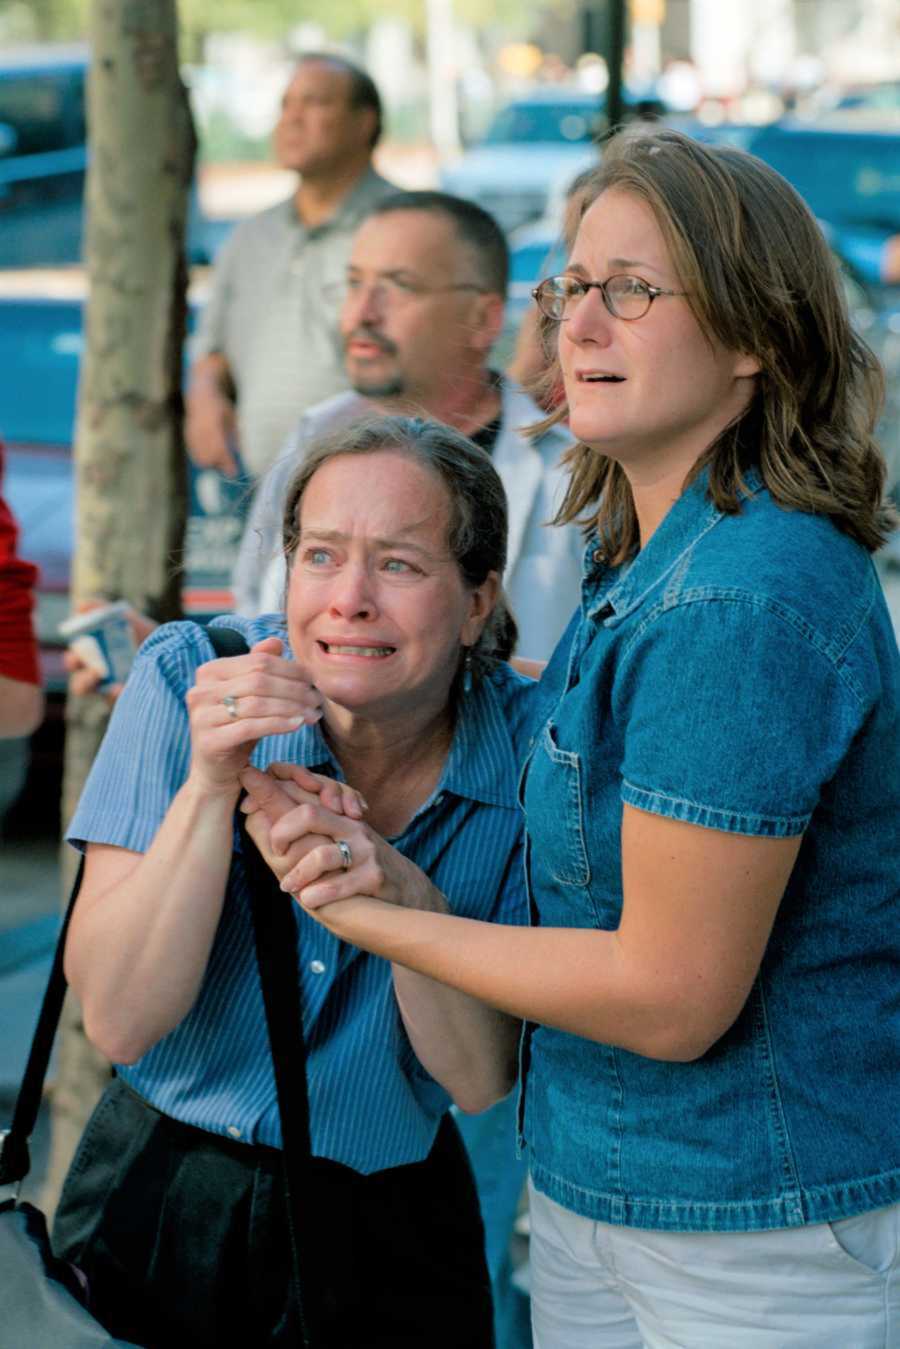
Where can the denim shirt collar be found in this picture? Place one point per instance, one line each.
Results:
(481, 766)
(660, 562)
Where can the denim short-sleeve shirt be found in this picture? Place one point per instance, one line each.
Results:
(740, 674)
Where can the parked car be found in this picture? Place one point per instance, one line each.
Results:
(847, 173)
(41, 342)
(44, 156)
(532, 146)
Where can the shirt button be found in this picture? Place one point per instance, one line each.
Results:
(317, 967)
(234, 1131)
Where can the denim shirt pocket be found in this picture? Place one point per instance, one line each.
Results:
(569, 864)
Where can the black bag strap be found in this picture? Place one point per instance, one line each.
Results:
(275, 935)
(15, 1161)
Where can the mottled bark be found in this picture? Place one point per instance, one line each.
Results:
(129, 453)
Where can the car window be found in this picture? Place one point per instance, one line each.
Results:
(44, 110)
(559, 122)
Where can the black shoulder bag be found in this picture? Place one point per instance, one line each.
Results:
(42, 1298)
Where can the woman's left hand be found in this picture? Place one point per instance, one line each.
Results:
(303, 840)
(275, 793)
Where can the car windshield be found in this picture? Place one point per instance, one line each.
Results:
(529, 122)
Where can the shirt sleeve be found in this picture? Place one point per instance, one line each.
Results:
(733, 717)
(211, 334)
(145, 754)
(18, 645)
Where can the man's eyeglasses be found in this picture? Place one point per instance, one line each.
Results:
(389, 291)
(626, 297)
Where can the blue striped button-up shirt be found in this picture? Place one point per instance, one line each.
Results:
(372, 1104)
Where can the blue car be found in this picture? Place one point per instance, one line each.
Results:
(41, 341)
(849, 175)
(534, 146)
(44, 157)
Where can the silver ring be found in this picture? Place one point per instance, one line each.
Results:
(343, 848)
(229, 702)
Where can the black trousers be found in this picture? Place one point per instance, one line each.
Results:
(183, 1238)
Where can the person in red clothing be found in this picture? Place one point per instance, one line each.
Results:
(21, 696)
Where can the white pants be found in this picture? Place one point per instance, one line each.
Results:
(825, 1286)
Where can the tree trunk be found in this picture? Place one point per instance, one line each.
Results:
(129, 454)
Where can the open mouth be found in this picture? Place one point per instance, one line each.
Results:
(354, 649)
(586, 377)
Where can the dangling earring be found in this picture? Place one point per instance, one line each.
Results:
(467, 671)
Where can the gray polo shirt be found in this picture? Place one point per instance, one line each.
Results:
(267, 314)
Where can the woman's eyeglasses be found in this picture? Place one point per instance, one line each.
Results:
(626, 297)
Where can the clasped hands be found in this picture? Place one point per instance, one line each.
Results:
(296, 819)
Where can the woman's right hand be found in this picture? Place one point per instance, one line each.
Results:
(237, 700)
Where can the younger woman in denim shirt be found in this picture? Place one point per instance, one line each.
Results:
(711, 1059)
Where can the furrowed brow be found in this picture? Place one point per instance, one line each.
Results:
(312, 534)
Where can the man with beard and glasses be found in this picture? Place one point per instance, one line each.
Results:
(420, 309)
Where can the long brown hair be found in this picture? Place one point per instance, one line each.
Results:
(761, 280)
